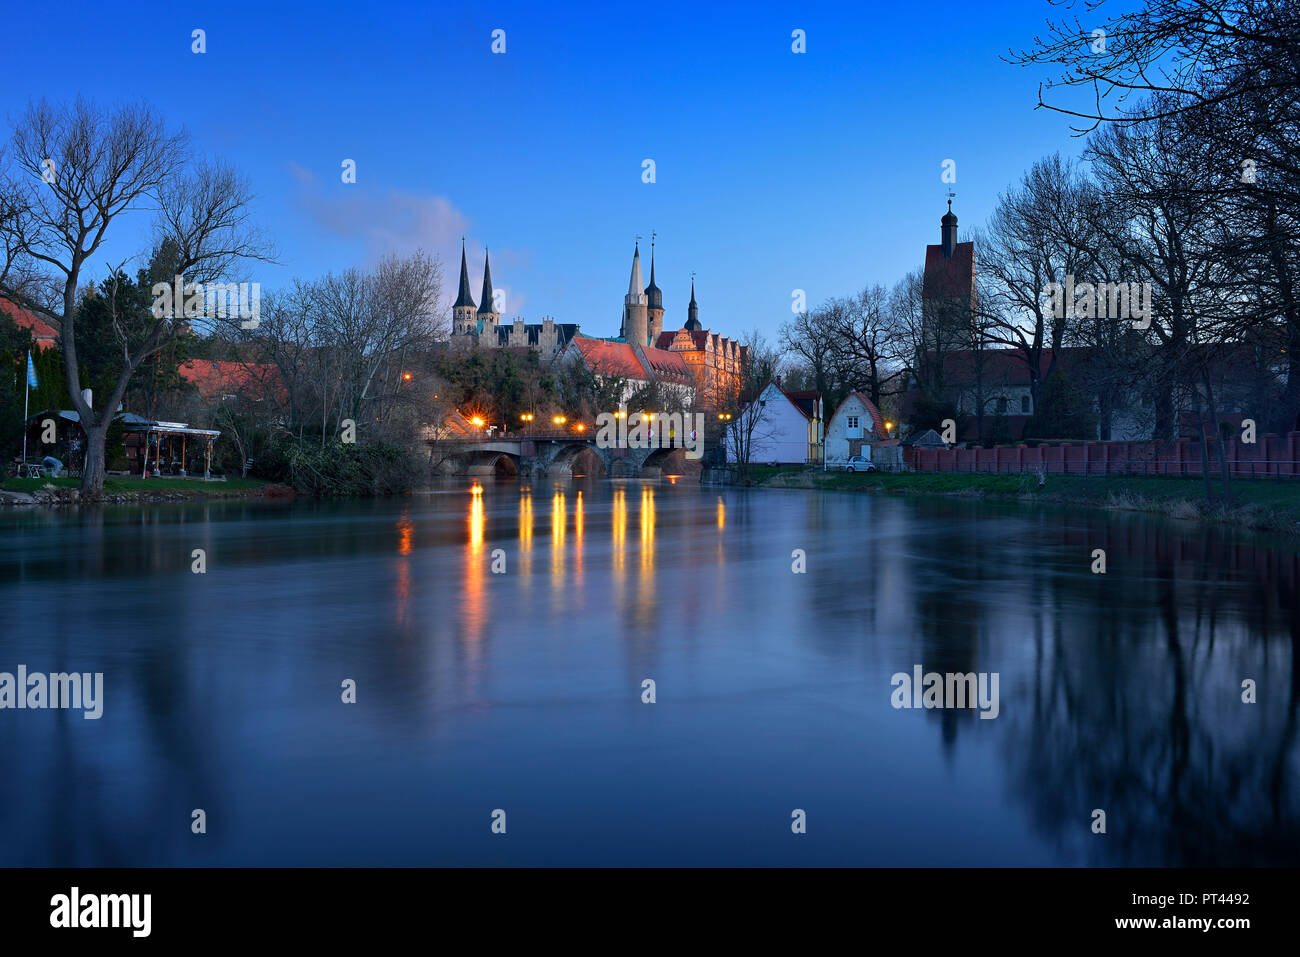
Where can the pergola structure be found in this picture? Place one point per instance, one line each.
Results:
(160, 439)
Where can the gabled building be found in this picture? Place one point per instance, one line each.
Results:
(855, 424)
(716, 362)
(637, 366)
(787, 428)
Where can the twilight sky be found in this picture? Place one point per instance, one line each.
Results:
(775, 171)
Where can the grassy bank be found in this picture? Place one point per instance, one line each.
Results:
(171, 488)
(1263, 504)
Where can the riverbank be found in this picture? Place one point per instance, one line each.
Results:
(126, 491)
(1270, 505)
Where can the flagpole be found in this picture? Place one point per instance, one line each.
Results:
(27, 394)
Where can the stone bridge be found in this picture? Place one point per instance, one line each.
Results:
(551, 456)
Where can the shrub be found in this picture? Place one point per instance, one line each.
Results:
(338, 470)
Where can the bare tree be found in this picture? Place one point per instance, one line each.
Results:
(751, 424)
(1038, 234)
(72, 172)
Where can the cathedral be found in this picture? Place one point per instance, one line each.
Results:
(480, 325)
(713, 363)
(691, 357)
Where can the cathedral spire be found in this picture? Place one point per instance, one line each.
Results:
(634, 291)
(693, 310)
(653, 293)
(636, 320)
(486, 306)
(464, 299)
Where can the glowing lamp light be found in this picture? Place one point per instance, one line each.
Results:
(406, 377)
(477, 421)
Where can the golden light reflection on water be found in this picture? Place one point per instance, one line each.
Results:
(559, 517)
(475, 616)
(577, 540)
(618, 527)
(647, 527)
(646, 592)
(525, 534)
(405, 544)
(722, 514)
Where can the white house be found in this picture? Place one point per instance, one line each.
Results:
(788, 428)
(853, 428)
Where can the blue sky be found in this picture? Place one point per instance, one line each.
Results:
(775, 171)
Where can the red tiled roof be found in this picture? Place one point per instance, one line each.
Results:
(214, 378)
(44, 333)
(669, 365)
(877, 420)
(953, 277)
(699, 337)
(620, 359)
(609, 358)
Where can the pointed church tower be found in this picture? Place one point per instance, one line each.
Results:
(635, 321)
(693, 312)
(654, 302)
(487, 308)
(462, 313)
(948, 229)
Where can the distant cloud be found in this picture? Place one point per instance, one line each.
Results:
(396, 221)
(391, 221)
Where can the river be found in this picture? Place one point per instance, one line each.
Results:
(771, 623)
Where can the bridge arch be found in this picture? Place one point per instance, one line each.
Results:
(580, 459)
(665, 462)
(489, 463)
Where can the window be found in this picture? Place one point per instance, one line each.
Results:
(853, 422)
(1024, 404)
(1002, 406)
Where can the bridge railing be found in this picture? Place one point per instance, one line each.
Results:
(517, 437)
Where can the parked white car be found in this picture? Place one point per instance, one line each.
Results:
(858, 463)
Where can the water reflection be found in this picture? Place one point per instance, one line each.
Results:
(1120, 691)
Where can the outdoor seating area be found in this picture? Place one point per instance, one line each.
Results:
(149, 449)
(170, 449)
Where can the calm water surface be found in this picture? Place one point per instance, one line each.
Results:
(522, 691)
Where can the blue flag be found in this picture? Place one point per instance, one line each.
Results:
(32, 382)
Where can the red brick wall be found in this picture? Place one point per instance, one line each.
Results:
(1271, 455)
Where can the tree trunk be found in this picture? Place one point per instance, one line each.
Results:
(92, 470)
(1218, 435)
(1165, 427)
(1205, 454)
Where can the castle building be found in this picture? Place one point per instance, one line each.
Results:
(716, 363)
(712, 365)
(480, 326)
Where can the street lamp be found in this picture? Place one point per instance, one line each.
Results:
(406, 377)
(559, 420)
